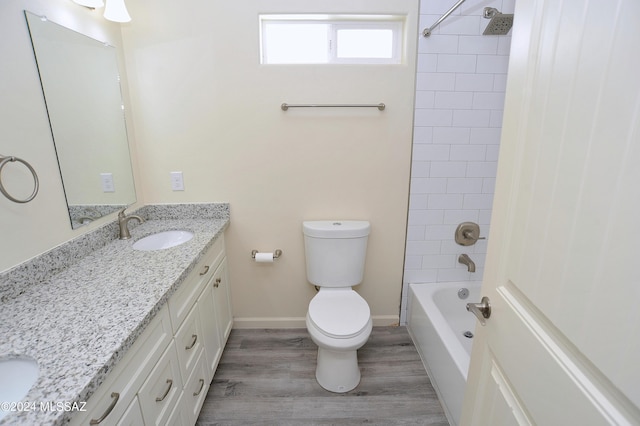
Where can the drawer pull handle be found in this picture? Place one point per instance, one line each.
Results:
(199, 390)
(217, 283)
(115, 396)
(160, 399)
(195, 339)
(206, 269)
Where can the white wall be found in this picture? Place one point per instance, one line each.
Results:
(460, 87)
(204, 105)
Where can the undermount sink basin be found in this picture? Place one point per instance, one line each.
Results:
(18, 375)
(162, 240)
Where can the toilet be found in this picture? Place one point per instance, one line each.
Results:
(338, 319)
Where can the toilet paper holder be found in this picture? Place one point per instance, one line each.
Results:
(276, 254)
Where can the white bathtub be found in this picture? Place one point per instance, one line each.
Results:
(437, 319)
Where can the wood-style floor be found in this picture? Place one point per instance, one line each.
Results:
(267, 377)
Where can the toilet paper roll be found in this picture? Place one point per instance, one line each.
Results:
(264, 257)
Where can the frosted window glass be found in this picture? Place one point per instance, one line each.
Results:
(296, 43)
(365, 43)
(315, 39)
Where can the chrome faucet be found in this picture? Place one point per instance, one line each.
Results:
(123, 220)
(466, 260)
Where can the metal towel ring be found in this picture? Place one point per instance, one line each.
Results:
(36, 184)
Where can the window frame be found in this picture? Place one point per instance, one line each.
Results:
(393, 23)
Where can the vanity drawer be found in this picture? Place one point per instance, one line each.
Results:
(180, 415)
(189, 342)
(196, 388)
(183, 299)
(160, 393)
(113, 397)
(133, 415)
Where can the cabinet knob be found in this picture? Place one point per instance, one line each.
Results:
(217, 283)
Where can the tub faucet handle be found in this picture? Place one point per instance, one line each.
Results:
(467, 234)
(481, 310)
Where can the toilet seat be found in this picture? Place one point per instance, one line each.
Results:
(339, 314)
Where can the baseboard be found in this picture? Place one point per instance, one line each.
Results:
(385, 320)
(299, 322)
(269, 322)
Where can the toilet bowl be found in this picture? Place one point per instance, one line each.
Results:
(339, 322)
(338, 319)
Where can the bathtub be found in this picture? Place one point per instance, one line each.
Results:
(437, 320)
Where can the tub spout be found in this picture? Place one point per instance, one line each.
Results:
(466, 260)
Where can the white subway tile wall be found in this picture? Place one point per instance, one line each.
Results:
(460, 89)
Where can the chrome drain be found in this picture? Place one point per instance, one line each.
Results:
(463, 293)
(468, 334)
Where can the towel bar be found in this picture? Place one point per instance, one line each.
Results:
(285, 106)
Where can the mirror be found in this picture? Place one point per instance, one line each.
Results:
(81, 86)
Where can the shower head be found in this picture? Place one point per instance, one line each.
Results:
(500, 23)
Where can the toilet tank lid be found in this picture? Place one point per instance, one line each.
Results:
(336, 228)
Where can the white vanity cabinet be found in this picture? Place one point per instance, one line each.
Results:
(165, 376)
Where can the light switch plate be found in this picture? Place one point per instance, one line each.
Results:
(107, 182)
(177, 183)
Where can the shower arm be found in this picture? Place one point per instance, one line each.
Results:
(427, 31)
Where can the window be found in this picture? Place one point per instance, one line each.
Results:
(317, 39)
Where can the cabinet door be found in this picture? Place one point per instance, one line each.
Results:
(160, 393)
(211, 340)
(222, 300)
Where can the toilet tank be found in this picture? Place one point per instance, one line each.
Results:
(335, 251)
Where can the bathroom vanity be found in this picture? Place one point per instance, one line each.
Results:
(121, 336)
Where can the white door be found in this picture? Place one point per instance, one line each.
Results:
(562, 345)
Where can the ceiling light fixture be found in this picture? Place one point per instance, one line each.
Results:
(93, 4)
(116, 11)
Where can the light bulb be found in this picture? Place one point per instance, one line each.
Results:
(116, 11)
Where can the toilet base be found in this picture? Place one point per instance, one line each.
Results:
(337, 371)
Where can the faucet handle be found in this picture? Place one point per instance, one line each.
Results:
(121, 213)
(468, 233)
(471, 235)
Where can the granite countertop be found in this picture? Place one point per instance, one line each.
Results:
(78, 322)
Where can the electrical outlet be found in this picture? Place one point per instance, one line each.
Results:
(107, 182)
(177, 183)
